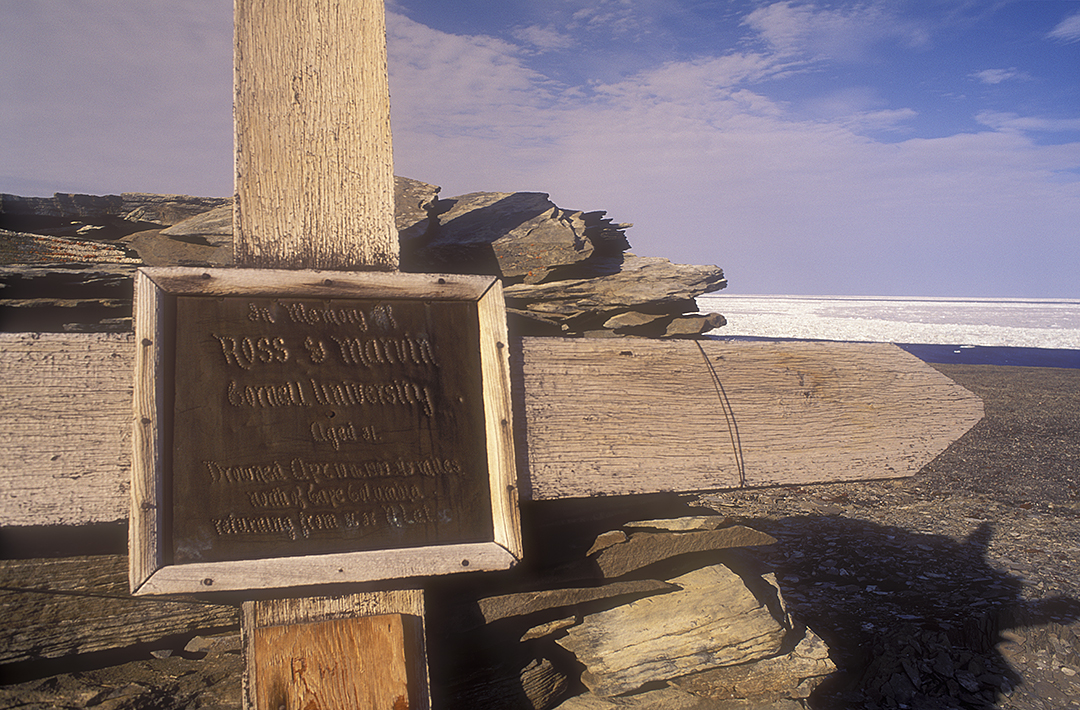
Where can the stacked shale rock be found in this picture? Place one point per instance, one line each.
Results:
(564, 273)
(657, 614)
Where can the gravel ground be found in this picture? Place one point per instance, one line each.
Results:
(959, 587)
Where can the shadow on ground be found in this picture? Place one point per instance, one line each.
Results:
(913, 620)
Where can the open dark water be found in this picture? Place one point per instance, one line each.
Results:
(962, 354)
(991, 355)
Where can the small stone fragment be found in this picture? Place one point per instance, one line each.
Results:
(549, 628)
(221, 643)
(542, 683)
(605, 540)
(632, 319)
(693, 324)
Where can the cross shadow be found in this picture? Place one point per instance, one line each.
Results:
(912, 620)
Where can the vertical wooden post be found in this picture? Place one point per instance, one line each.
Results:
(314, 163)
(315, 190)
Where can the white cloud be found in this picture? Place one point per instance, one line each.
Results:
(844, 34)
(1068, 30)
(859, 108)
(475, 85)
(997, 76)
(619, 17)
(695, 80)
(544, 39)
(709, 166)
(1001, 121)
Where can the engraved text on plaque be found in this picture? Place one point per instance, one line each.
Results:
(316, 425)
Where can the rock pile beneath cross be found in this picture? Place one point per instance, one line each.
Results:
(657, 614)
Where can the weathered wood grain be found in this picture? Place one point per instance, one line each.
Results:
(277, 572)
(65, 418)
(314, 164)
(315, 189)
(319, 284)
(596, 421)
(56, 608)
(316, 651)
(641, 416)
(146, 553)
(498, 417)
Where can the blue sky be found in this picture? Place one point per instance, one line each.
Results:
(896, 148)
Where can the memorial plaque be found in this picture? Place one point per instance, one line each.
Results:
(324, 426)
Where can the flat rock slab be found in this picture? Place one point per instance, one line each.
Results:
(218, 222)
(24, 248)
(555, 238)
(645, 548)
(212, 683)
(714, 620)
(793, 675)
(522, 603)
(640, 281)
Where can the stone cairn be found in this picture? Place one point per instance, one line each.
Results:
(656, 614)
(564, 273)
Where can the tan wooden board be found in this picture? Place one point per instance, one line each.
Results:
(240, 374)
(354, 651)
(616, 417)
(663, 409)
(322, 664)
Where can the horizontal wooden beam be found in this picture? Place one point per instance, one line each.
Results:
(617, 417)
(596, 417)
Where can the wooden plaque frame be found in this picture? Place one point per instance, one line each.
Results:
(153, 567)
